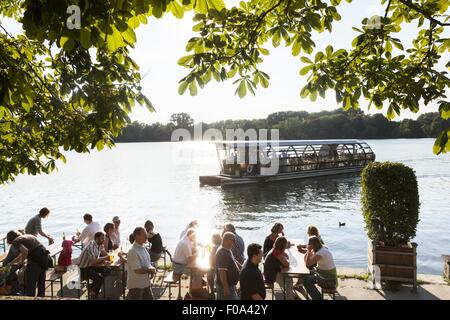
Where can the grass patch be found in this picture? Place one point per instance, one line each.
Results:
(362, 277)
(420, 281)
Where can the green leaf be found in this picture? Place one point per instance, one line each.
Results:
(115, 41)
(182, 88)
(241, 89)
(329, 51)
(129, 35)
(66, 43)
(296, 48)
(184, 61)
(176, 9)
(85, 38)
(306, 60)
(305, 70)
(193, 88)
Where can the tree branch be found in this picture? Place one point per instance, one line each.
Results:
(421, 10)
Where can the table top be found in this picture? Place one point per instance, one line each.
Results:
(296, 259)
(54, 249)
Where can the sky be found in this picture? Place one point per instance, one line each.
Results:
(162, 42)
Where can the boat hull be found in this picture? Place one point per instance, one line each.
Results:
(228, 181)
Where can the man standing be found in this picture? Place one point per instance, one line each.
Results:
(140, 269)
(27, 247)
(227, 271)
(88, 232)
(91, 258)
(34, 225)
(239, 246)
(115, 237)
(251, 279)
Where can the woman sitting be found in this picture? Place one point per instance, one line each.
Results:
(275, 262)
(275, 232)
(155, 240)
(311, 231)
(109, 233)
(326, 275)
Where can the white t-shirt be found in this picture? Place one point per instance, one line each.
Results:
(137, 258)
(327, 261)
(183, 251)
(89, 232)
(115, 237)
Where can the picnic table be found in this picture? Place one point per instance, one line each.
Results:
(53, 276)
(3, 242)
(119, 265)
(297, 267)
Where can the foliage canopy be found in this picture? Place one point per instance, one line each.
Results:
(232, 43)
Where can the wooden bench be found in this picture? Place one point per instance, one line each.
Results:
(331, 291)
(271, 287)
(52, 276)
(169, 281)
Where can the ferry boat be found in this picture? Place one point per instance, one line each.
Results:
(253, 162)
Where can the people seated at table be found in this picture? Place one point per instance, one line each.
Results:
(28, 247)
(251, 279)
(116, 235)
(192, 225)
(88, 233)
(34, 225)
(139, 267)
(310, 231)
(155, 240)
(227, 270)
(109, 244)
(216, 241)
(326, 275)
(275, 232)
(275, 262)
(239, 246)
(92, 261)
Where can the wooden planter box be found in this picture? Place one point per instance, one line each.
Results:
(395, 263)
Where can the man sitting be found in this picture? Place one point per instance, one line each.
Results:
(90, 260)
(89, 231)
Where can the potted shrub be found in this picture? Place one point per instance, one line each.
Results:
(390, 201)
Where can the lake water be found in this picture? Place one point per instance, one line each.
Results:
(159, 181)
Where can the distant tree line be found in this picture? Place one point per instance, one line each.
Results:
(336, 124)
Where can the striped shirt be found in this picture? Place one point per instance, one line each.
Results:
(90, 252)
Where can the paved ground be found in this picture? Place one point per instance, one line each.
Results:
(431, 287)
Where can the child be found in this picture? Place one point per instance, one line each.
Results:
(65, 258)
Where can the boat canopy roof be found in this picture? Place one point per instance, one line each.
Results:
(281, 143)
